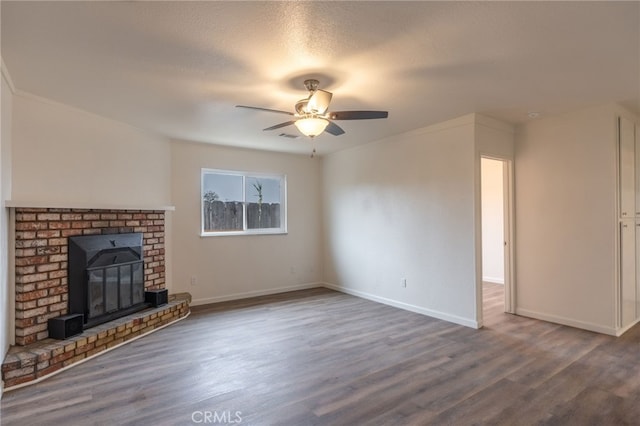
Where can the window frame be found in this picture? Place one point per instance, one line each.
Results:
(246, 231)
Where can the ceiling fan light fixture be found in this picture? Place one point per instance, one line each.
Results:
(311, 126)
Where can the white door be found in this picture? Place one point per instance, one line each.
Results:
(496, 196)
(627, 272)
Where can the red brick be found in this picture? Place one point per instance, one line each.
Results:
(31, 330)
(26, 235)
(26, 279)
(60, 358)
(58, 307)
(32, 295)
(92, 231)
(23, 306)
(24, 217)
(96, 350)
(58, 242)
(58, 290)
(51, 369)
(58, 274)
(24, 270)
(80, 224)
(108, 216)
(115, 342)
(48, 234)
(49, 216)
(45, 301)
(30, 226)
(71, 216)
(26, 322)
(44, 355)
(47, 250)
(58, 257)
(25, 252)
(48, 267)
(60, 225)
(71, 232)
(91, 216)
(48, 283)
(75, 359)
(19, 380)
(30, 313)
(30, 243)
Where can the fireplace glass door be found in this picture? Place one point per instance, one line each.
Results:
(115, 287)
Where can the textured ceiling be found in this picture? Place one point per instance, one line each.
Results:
(179, 68)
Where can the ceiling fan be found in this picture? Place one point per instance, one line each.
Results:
(312, 116)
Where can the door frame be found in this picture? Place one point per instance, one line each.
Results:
(508, 186)
(509, 233)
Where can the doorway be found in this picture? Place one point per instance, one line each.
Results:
(496, 236)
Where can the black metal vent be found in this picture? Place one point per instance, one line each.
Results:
(289, 135)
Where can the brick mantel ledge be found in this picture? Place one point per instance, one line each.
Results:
(93, 206)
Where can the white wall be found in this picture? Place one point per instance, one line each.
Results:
(228, 267)
(405, 207)
(566, 220)
(492, 221)
(6, 109)
(63, 156)
(67, 156)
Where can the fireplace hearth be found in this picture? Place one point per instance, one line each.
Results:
(106, 276)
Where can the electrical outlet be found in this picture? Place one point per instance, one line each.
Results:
(404, 282)
(193, 281)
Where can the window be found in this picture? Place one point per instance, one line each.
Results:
(237, 203)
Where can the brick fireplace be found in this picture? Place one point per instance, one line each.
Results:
(41, 258)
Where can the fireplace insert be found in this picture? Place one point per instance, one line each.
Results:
(106, 276)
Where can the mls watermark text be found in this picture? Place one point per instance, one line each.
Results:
(220, 417)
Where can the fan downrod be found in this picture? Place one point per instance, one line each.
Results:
(311, 85)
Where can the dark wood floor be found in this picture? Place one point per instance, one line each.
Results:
(319, 357)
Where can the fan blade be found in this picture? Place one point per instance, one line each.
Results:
(319, 102)
(334, 129)
(277, 126)
(265, 109)
(357, 115)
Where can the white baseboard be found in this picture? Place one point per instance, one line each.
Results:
(623, 330)
(494, 280)
(568, 321)
(406, 306)
(255, 293)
